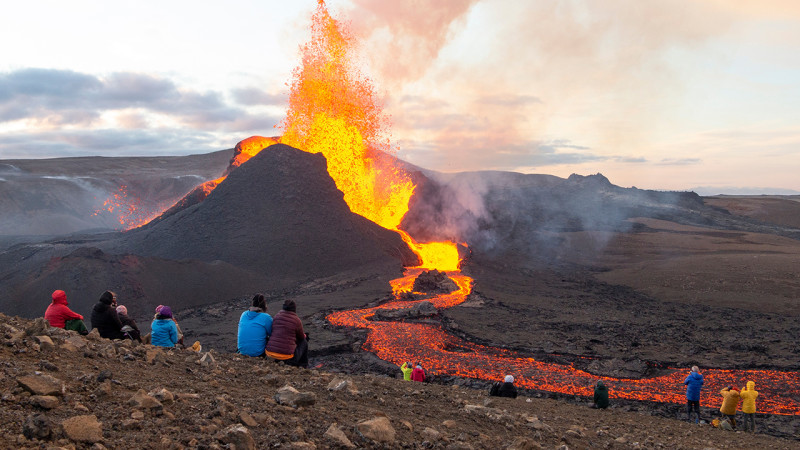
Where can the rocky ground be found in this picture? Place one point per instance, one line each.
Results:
(62, 390)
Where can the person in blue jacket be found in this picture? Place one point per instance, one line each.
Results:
(163, 331)
(255, 327)
(693, 382)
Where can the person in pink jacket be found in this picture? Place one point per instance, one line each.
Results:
(59, 315)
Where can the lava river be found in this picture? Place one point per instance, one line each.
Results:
(443, 353)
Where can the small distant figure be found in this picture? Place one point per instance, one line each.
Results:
(288, 342)
(129, 328)
(418, 374)
(407, 368)
(730, 399)
(255, 327)
(105, 318)
(59, 315)
(164, 331)
(504, 389)
(748, 396)
(693, 382)
(600, 395)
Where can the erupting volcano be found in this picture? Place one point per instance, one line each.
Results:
(334, 111)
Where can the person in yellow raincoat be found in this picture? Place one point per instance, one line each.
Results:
(730, 400)
(406, 368)
(748, 396)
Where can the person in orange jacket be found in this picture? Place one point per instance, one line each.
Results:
(748, 396)
(730, 399)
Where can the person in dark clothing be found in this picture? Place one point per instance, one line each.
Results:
(600, 395)
(288, 342)
(129, 327)
(105, 319)
(506, 389)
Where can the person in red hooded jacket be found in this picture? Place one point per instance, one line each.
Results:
(288, 341)
(418, 374)
(59, 315)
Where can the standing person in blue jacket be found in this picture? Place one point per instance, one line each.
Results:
(164, 332)
(255, 327)
(693, 382)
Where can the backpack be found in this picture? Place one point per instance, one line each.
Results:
(495, 389)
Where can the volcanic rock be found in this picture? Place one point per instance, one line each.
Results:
(378, 429)
(618, 368)
(335, 434)
(44, 401)
(239, 437)
(37, 427)
(434, 282)
(421, 309)
(45, 343)
(41, 384)
(83, 429)
(339, 384)
(144, 401)
(280, 214)
(290, 396)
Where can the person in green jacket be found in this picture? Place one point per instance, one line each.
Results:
(600, 395)
(406, 368)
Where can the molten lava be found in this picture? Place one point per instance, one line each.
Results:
(129, 210)
(445, 354)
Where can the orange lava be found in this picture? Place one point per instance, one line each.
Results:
(128, 210)
(442, 353)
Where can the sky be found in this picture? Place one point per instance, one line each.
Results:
(657, 94)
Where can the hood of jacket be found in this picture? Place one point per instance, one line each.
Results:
(751, 385)
(695, 376)
(252, 313)
(60, 298)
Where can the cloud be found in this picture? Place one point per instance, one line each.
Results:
(679, 161)
(127, 112)
(256, 96)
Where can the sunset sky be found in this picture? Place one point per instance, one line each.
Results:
(658, 94)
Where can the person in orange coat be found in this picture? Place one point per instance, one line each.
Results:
(730, 399)
(748, 396)
(58, 314)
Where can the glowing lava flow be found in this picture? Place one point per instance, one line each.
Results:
(442, 353)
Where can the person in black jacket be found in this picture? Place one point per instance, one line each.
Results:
(126, 320)
(104, 317)
(506, 389)
(600, 395)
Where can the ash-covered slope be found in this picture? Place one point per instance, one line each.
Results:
(279, 214)
(62, 195)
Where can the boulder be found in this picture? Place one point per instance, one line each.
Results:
(143, 401)
(37, 427)
(154, 355)
(44, 401)
(163, 395)
(337, 436)
(246, 419)
(45, 343)
(378, 429)
(290, 396)
(83, 429)
(38, 327)
(421, 309)
(42, 384)
(339, 384)
(434, 282)
(239, 437)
